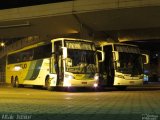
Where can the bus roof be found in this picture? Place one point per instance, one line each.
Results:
(43, 43)
(106, 43)
(72, 39)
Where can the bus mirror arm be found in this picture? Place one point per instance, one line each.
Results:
(146, 58)
(102, 55)
(116, 56)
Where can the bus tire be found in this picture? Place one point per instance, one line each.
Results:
(13, 81)
(47, 84)
(16, 82)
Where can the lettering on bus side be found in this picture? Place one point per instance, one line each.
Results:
(23, 66)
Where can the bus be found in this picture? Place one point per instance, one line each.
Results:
(63, 62)
(122, 66)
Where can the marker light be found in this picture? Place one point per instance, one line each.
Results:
(145, 78)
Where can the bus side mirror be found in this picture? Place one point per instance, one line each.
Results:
(145, 58)
(64, 52)
(116, 55)
(101, 55)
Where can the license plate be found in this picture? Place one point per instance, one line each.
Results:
(84, 82)
(132, 82)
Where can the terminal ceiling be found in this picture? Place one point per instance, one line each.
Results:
(128, 24)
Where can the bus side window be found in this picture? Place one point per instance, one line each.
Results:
(13, 58)
(42, 52)
(26, 55)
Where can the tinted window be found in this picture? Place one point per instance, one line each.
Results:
(31, 54)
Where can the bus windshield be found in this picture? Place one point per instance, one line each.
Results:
(129, 63)
(81, 61)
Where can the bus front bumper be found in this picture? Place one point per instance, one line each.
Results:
(80, 83)
(127, 82)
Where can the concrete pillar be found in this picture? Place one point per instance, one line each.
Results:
(158, 70)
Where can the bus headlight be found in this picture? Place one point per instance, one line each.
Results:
(120, 76)
(95, 85)
(96, 77)
(68, 84)
(67, 81)
(69, 77)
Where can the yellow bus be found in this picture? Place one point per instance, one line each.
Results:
(63, 62)
(122, 66)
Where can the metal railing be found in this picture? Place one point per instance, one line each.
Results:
(19, 44)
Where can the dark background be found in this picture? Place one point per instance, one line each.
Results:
(6, 4)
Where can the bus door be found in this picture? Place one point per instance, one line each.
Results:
(58, 62)
(106, 68)
(109, 65)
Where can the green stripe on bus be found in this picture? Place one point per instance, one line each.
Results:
(37, 69)
(30, 70)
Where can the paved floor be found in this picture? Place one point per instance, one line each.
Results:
(39, 104)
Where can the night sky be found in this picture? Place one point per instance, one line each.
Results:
(6, 4)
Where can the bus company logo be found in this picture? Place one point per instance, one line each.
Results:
(149, 117)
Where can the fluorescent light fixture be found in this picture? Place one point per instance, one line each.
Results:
(15, 25)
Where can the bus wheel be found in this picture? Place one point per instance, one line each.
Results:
(121, 87)
(47, 84)
(16, 82)
(13, 82)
